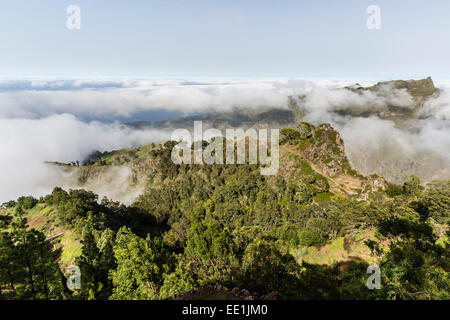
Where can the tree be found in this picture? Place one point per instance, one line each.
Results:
(96, 261)
(412, 186)
(141, 266)
(182, 280)
(27, 202)
(413, 266)
(209, 253)
(289, 135)
(88, 263)
(265, 269)
(8, 264)
(30, 268)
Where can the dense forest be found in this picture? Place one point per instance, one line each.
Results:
(224, 231)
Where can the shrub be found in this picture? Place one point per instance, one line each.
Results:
(27, 202)
(9, 204)
(289, 135)
(394, 190)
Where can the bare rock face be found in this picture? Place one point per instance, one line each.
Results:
(372, 184)
(377, 183)
(326, 148)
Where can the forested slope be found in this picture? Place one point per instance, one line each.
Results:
(308, 232)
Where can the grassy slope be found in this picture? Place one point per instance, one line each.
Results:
(43, 218)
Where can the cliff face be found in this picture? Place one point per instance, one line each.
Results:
(321, 145)
(323, 148)
(326, 148)
(420, 90)
(403, 99)
(399, 102)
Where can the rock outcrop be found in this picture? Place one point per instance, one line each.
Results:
(326, 148)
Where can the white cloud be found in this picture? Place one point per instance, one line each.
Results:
(39, 119)
(26, 143)
(129, 97)
(439, 108)
(91, 97)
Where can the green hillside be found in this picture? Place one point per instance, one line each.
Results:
(197, 231)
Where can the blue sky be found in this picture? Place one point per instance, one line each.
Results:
(220, 39)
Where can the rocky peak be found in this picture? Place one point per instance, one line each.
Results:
(420, 90)
(326, 148)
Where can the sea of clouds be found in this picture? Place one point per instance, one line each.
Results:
(65, 120)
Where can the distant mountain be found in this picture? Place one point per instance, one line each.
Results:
(261, 117)
(400, 101)
(397, 107)
(419, 89)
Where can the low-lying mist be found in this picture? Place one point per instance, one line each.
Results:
(41, 120)
(394, 148)
(26, 144)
